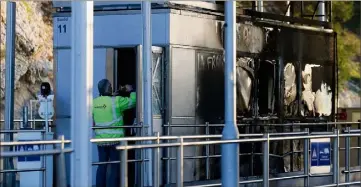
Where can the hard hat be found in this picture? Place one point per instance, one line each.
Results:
(105, 87)
(45, 89)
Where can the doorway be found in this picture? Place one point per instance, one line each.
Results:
(125, 73)
(125, 67)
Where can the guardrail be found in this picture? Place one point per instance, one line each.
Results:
(291, 152)
(265, 138)
(60, 151)
(207, 140)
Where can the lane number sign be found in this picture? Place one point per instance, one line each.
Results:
(62, 28)
(62, 25)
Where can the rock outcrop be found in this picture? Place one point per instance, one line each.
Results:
(34, 51)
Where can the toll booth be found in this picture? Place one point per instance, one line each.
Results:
(188, 77)
(181, 39)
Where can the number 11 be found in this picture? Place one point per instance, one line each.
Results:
(62, 30)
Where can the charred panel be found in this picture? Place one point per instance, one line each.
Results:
(266, 81)
(308, 74)
(210, 85)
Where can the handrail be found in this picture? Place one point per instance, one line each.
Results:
(194, 140)
(220, 125)
(266, 139)
(153, 138)
(117, 127)
(31, 153)
(269, 124)
(22, 170)
(20, 131)
(127, 147)
(44, 142)
(29, 120)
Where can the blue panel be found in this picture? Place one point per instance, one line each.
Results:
(63, 91)
(320, 154)
(324, 156)
(63, 78)
(31, 158)
(314, 154)
(63, 82)
(115, 30)
(99, 73)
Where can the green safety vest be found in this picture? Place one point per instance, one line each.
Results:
(108, 112)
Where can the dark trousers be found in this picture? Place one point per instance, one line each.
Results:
(105, 154)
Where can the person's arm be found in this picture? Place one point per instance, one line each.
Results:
(125, 103)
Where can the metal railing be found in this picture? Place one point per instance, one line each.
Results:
(264, 138)
(206, 140)
(60, 151)
(291, 152)
(32, 124)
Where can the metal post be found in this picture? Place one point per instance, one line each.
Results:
(124, 166)
(156, 167)
(47, 115)
(359, 139)
(288, 13)
(25, 117)
(139, 174)
(322, 11)
(61, 164)
(259, 6)
(359, 144)
(168, 155)
(306, 159)
(230, 152)
(335, 163)
(49, 161)
(347, 155)
(9, 179)
(208, 174)
(180, 154)
(265, 161)
(147, 83)
(81, 92)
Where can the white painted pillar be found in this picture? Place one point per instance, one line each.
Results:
(81, 92)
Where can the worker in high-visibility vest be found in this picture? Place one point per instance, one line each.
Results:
(108, 112)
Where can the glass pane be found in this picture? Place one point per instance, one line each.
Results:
(157, 80)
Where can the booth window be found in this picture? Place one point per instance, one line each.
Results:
(157, 82)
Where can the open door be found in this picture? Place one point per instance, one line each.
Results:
(128, 69)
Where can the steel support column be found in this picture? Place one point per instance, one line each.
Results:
(259, 6)
(147, 83)
(230, 152)
(81, 92)
(9, 179)
(288, 13)
(321, 11)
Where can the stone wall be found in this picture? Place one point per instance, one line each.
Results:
(34, 51)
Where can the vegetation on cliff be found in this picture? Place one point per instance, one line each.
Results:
(33, 50)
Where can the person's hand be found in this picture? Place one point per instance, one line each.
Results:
(128, 88)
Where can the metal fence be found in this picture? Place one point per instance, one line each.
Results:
(158, 143)
(46, 151)
(340, 131)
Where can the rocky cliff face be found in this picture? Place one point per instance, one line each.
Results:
(34, 51)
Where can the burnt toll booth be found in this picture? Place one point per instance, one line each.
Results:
(283, 69)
